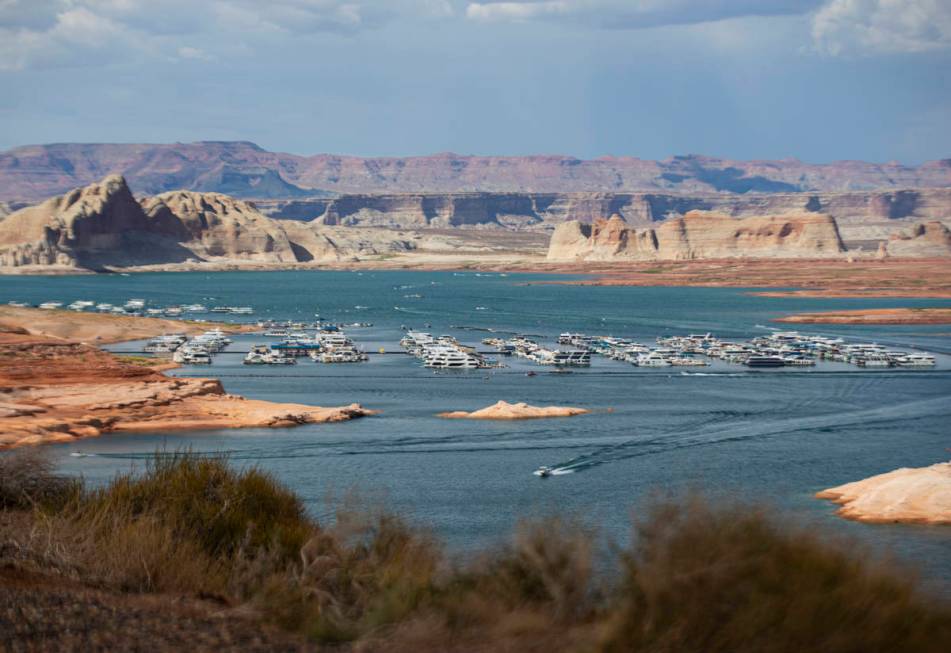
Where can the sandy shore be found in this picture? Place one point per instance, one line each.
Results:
(796, 277)
(858, 277)
(920, 496)
(101, 328)
(58, 390)
(874, 316)
(521, 410)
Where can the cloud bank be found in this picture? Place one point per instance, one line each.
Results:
(43, 33)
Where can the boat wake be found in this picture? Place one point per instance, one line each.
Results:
(723, 432)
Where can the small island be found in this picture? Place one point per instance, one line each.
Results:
(908, 495)
(520, 410)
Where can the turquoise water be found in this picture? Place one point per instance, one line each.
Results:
(774, 436)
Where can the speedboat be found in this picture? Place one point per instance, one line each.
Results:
(543, 472)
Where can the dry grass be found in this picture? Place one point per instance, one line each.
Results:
(696, 578)
(734, 579)
(27, 480)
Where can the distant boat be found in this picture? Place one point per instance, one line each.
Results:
(543, 471)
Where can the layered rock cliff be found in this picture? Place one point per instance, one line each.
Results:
(931, 239)
(699, 234)
(243, 169)
(863, 216)
(103, 225)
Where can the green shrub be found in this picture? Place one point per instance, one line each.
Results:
(224, 512)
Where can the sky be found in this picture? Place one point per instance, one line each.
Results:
(818, 80)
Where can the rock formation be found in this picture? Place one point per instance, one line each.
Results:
(521, 410)
(103, 225)
(218, 226)
(55, 390)
(930, 239)
(921, 495)
(864, 218)
(699, 234)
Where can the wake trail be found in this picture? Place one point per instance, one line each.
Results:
(736, 432)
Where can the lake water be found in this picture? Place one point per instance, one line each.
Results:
(766, 436)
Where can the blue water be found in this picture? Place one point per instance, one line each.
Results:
(774, 436)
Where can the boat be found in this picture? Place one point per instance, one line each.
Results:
(51, 306)
(765, 361)
(543, 472)
(916, 360)
(451, 358)
(653, 359)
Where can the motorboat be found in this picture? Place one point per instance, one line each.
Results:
(543, 472)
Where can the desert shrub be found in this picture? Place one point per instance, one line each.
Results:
(371, 570)
(734, 579)
(27, 480)
(186, 523)
(547, 567)
(223, 511)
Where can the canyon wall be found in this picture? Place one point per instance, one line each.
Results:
(699, 234)
(852, 210)
(34, 172)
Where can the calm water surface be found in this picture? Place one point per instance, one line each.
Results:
(768, 436)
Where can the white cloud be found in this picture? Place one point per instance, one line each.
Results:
(860, 27)
(632, 14)
(65, 32)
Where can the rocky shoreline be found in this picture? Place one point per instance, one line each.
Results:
(58, 390)
(908, 495)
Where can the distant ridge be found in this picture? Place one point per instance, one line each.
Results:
(243, 169)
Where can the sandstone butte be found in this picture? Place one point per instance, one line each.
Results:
(873, 316)
(699, 234)
(57, 390)
(921, 495)
(521, 410)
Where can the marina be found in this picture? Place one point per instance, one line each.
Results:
(773, 435)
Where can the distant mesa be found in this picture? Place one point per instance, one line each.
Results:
(243, 169)
(504, 411)
(697, 235)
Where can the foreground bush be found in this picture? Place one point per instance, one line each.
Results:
(696, 577)
(732, 579)
(27, 480)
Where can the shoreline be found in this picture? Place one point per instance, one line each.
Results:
(883, 316)
(56, 389)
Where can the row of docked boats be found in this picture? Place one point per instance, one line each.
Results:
(526, 348)
(778, 349)
(189, 351)
(443, 352)
(329, 345)
(137, 307)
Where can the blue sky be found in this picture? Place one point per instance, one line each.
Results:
(818, 80)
